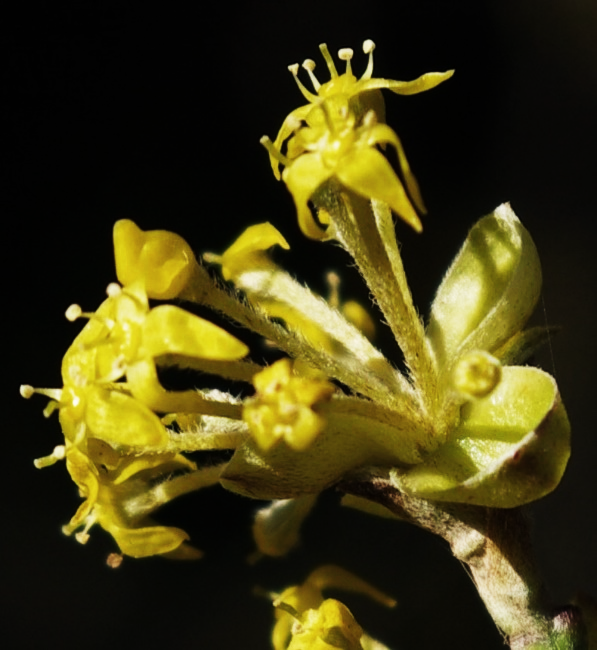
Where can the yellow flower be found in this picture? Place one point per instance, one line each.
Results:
(121, 493)
(162, 260)
(127, 338)
(341, 150)
(305, 620)
(361, 94)
(340, 142)
(283, 407)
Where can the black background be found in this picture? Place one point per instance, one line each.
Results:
(155, 114)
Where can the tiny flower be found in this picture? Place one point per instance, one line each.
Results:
(121, 497)
(127, 338)
(360, 93)
(306, 620)
(284, 407)
(162, 260)
(342, 150)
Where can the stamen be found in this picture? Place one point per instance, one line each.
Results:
(368, 47)
(345, 54)
(309, 66)
(59, 453)
(328, 60)
(309, 96)
(269, 145)
(53, 393)
(74, 312)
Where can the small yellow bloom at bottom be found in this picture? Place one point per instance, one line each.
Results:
(307, 621)
(283, 407)
(331, 625)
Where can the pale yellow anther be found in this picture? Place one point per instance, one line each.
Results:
(294, 68)
(309, 65)
(82, 538)
(368, 46)
(26, 391)
(59, 452)
(113, 290)
(73, 312)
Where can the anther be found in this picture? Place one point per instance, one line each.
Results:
(73, 312)
(82, 537)
(368, 46)
(26, 391)
(294, 68)
(113, 290)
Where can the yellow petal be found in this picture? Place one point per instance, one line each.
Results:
(248, 251)
(419, 85)
(367, 172)
(120, 419)
(302, 178)
(144, 542)
(161, 259)
(172, 330)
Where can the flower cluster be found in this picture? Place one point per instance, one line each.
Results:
(463, 421)
(117, 447)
